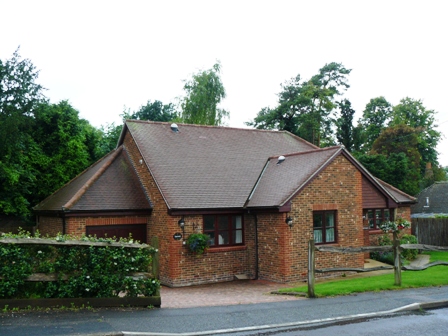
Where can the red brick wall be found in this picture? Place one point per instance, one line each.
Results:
(216, 264)
(283, 252)
(50, 226)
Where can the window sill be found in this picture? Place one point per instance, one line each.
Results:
(375, 231)
(226, 249)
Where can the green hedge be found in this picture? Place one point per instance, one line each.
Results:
(82, 271)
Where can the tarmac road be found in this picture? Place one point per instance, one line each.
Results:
(217, 319)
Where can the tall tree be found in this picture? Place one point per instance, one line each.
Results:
(110, 133)
(393, 169)
(401, 139)
(344, 124)
(62, 147)
(19, 97)
(155, 111)
(307, 108)
(413, 113)
(204, 92)
(376, 117)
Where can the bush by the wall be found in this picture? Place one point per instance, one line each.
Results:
(388, 257)
(82, 271)
(409, 254)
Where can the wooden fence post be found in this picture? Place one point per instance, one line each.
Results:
(155, 257)
(397, 261)
(311, 269)
(155, 261)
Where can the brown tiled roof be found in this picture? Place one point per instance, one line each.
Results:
(279, 182)
(398, 195)
(109, 184)
(204, 167)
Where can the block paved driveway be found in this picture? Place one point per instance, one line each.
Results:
(224, 293)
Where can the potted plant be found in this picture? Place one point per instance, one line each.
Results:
(198, 243)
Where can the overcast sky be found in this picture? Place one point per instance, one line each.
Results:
(103, 56)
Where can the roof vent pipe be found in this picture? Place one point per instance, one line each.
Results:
(281, 158)
(174, 128)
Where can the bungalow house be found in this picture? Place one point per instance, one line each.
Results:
(260, 196)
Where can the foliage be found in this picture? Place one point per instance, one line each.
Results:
(204, 92)
(42, 145)
(110, 134)
(393, 169)
(385, 240)
(413, 114)
(83, 271)
(307, 108)
(376, 117)
(386, 257)
(198, 242)
(401, 140)
(62, 147)
(154, 111)
(19, 96)
(407, 129)
(344, 132)
(409, 254)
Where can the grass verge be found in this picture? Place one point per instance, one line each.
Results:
(433, 276)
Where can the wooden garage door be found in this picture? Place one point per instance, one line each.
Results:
(138, 231)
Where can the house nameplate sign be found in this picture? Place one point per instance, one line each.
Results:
(177, 236)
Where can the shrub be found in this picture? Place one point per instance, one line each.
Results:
(409, 254)
(82, 270)
(388, 257)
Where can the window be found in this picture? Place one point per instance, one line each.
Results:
(224, 230)
(375, 217)
(324, 226)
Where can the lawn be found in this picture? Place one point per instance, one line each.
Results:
(433, 276)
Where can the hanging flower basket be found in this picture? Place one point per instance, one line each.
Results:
(198, 243)
(396, 226)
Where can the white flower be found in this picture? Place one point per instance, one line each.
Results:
(87, 289)
(88, 277)
(115, 263)
(39, 252)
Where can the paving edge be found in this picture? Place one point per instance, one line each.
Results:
(410, 307)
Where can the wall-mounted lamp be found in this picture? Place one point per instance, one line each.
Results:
(288, 221)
